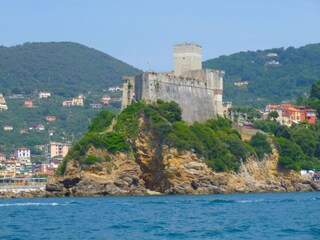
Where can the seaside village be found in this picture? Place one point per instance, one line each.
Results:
(20, 164)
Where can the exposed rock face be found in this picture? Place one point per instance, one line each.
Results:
(120, 176)
(264, 176)
(156, 169)
(23, 194)
(153, 168)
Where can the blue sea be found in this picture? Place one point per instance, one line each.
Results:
(238, 216)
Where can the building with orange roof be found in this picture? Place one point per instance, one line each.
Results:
(28, 103)
(51, 118)
(289, 114)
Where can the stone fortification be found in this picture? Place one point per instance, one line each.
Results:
(187, 56)
(197, 91)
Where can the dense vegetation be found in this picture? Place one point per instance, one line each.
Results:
(214, 141)
(299, 146)
(63, 68)
(269, 82)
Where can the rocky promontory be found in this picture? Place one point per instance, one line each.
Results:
(153, 167)
(171, 172)
(148, 150)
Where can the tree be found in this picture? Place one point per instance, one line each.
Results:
(273, 115)
(260, 144)
(315, 90)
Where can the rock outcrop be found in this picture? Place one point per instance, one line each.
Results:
(156, 169)
(152, 168)
(120, 176)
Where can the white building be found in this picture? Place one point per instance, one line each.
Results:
(44, 94)
(22, 154)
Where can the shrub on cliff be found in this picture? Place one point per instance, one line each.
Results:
(169, 110)
(115, 142)
(290, 154)
(90, 159)
(127, 120)
(260, 144)
(101, 121)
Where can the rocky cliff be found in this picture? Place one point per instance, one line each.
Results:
(152, 168)
(149, 150)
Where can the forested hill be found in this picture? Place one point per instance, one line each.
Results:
(273, 75)
(63, 68)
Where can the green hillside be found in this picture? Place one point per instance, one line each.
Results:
(282, 76)
(63, 68)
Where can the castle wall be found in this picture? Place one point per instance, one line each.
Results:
(200, 99)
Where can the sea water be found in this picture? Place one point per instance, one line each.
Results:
(238, 216)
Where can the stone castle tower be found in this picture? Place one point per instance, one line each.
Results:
(187, 57)
(198, 91)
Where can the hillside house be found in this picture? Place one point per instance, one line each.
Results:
(240, 84)
(24, 131)
(114, 89)
(54, 164)
(26, 168)
(270, 55)
(105, 100)
(42, 168)
(95, 105)
(77, 101)
(28, 103)
(3, 107)
(12, 168)
(73, 102)
(2, 157)
(44, 94)
(51, 132)
(2, 99)
(51, 118)
(22, 153)
(67, 103)
(58, 149)
(40, 127)
(273, 63)
(7, 127)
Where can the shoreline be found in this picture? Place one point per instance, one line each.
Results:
(43, 193)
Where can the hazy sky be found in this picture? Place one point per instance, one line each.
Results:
(142, 32)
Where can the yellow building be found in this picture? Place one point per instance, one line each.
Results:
(58, 149)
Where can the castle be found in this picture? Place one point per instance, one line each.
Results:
(198, 91)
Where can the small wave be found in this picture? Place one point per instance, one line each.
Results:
(32, 204)
(72, 203)
(251, 201)
(266, 200)
(157, 202)
(315, 198)
(221, 201)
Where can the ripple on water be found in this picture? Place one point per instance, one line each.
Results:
(241, 216)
